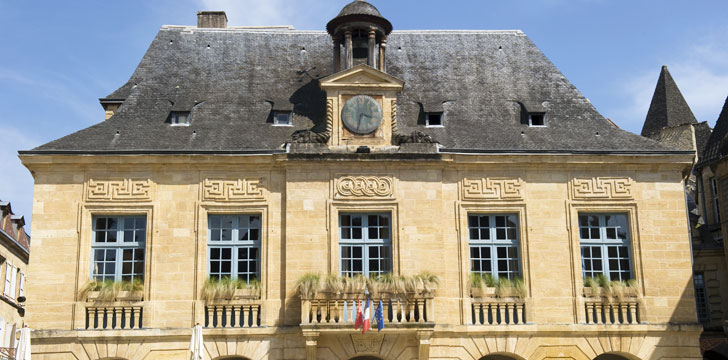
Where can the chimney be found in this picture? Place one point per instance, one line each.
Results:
(211, 19)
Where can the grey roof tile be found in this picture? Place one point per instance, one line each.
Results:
(236, 77)
(668, 107)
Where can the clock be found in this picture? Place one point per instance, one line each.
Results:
(361, 114)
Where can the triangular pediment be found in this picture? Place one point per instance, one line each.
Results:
(361, 76)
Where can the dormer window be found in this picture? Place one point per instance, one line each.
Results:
(179, 118)
(537, 119)
(282, 118)
(433, 119)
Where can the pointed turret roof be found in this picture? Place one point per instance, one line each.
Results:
(668, 107)
(718, 144)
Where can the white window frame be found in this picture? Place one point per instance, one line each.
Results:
(21, 291)
(543, 118)
(276, 119)
(8, 279)
(442, 120)
(118, 247)
(365, 244)
(604, 243)
(14, 283)
(235, 245)
(493, 243)
(175, 116)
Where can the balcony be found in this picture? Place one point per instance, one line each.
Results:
(114, 316)
(491, 307)
(328, 309)
(605, 307)
(233, 314)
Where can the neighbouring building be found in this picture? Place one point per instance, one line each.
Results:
(245, 177)
(670, 121)
(14, 256)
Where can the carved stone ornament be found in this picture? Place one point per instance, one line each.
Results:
(493, 189)
(119, 190)
(363, 187)
(602, 188)
(310, 137)
(367, 343)
(416, 137)
(232, 190)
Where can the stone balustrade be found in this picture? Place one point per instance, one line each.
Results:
(114, 317)
(233, 314)
(330, 309)
(494, 311)
(607, 313)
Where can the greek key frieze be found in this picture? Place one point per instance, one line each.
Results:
(602, 188)
(493, 189)
(231, 190)
(119, 190)
(364, 187)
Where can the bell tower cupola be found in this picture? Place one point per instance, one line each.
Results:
(360, 33)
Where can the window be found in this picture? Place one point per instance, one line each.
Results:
(605, 246)
(716, 205)
(365, 244)
(536, 119)
(234, 246)
(701, 300)
(117, 249)
(8, 279)
(282, 118)
(433, 119)
(179, 118)
(21, 291)
(494, 245)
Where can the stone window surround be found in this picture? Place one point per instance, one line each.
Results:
(336, 208)
(603, 207)
(201, 236)
(85, 229)
(234, 245)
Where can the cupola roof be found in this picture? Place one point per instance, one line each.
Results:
(359, 11)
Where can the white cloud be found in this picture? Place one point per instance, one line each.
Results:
(303, 14)
(701, 73)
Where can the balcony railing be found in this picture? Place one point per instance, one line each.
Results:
(100, 317)
(233, 314)
(498, 311)
(606, 313)
(329, 309)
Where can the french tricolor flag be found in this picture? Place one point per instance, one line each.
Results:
(367, 322)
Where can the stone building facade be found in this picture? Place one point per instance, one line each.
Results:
(14, 256)
(461, 162)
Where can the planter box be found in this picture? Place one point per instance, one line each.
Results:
(482, 292)
(130, 296)
(247, 294)
(594, 292)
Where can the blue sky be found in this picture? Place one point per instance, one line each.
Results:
(58, 57)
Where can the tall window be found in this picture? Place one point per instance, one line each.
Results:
(233, 246)
(494, 245)
(701, 300)
(716, 204)
(365, 244)
(605, 246)
(117, 249)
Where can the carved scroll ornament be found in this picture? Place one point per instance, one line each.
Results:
(119, 190)
(364, 187)
(602, 188)
(493, 189)
(231, 190)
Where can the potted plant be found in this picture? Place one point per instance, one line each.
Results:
(600, 286)
(482, 285)
(308, 285)
(230, 289)
(506, 287)
(109, 291)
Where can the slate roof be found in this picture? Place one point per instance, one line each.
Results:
(668, 107)
(231, 79)
(718, 142)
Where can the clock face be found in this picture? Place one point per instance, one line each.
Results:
(361, 114)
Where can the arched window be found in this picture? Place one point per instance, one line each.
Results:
(497, 357)
(610, 357)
